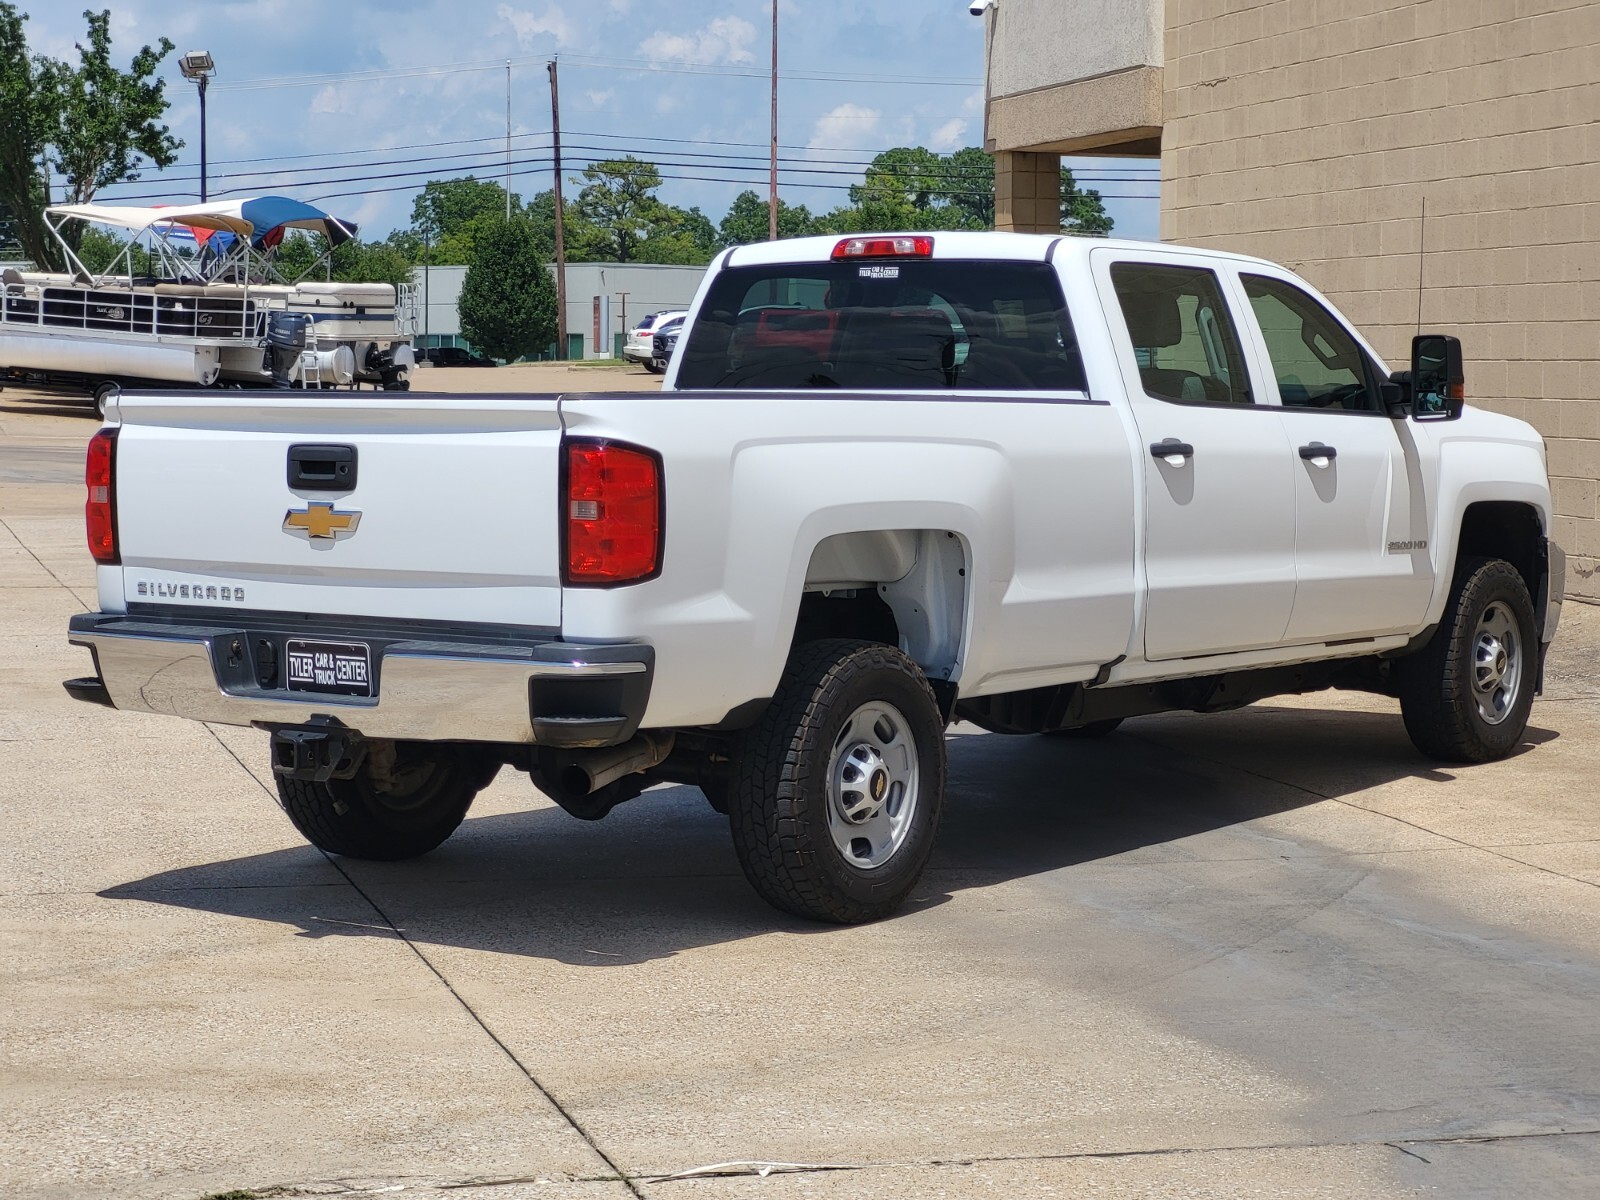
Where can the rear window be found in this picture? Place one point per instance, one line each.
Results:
(884, 325)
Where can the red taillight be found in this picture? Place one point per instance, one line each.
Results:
(884, 247)
(100, 510)
(613, 513)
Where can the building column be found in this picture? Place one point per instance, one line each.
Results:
(1027, 192)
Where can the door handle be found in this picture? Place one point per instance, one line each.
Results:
(1317, 450)
(322, 468)
(1172, 452)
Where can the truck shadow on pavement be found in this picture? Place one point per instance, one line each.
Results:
(659, 875)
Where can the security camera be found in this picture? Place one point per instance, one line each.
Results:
(978, 7)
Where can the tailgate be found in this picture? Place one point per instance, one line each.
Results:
(452, 515)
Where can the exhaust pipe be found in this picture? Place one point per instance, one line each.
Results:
(594, 770)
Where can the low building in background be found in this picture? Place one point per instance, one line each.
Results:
(1425, 164)
(604, 302)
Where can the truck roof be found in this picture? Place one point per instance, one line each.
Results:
(1028, 247)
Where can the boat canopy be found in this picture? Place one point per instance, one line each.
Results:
(259, 218)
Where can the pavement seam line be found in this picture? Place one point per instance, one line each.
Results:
(544, 1091)
(752, 1166)
(1376, 812)
(1399, 1144)
(66, 587)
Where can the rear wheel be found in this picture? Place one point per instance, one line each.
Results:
(1466, 696)
(837, 791)
(406, 798)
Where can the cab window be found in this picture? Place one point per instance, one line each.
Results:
(904, 324)
(1316, 361)
(1184, 340)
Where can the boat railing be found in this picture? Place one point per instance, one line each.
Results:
(164, 310)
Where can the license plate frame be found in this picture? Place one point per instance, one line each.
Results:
(316, 667)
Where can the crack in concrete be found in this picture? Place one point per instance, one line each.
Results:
(759, 1168)
(549, 1096)
(43, 566)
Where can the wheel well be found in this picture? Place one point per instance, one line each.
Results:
(904, 587)
(1503, 529)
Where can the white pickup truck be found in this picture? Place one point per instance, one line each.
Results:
(1037, 483)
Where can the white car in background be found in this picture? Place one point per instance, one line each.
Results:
(640, 346)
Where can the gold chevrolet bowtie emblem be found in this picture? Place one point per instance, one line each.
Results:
(320, 523)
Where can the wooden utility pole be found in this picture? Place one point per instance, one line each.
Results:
(561, 234)
(772, 198)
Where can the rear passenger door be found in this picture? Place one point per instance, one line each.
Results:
(1219, 527)
(1362, 569)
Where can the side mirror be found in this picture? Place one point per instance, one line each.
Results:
(1438, 381)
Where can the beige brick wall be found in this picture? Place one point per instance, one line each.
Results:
(1314, 132)
(1027, 192)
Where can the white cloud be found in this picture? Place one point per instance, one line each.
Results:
(724, 40)
(600, 99)
(849, 126)
(949, 136)
(527, 26)
(328, 99)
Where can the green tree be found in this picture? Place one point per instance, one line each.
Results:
(448, 215)
(747, 220)
(616, 210)
(683, 236)
(29, 103)
(1082, 210)
(508, 299)
(95, 124)
(99, 249)
(354, 261)
(913, 188)
(445, 207)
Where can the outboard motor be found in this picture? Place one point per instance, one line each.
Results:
(286, 341)
(393, 365)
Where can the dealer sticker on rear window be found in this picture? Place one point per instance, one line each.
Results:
(880, 272)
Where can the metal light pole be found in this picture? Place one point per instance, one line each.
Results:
(198, 66)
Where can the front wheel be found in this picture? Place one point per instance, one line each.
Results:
(406, 798)
(1467, 694)
(837, 791)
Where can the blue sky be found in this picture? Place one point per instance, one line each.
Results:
(415, 89)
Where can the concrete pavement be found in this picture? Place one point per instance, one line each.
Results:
(1268, 953)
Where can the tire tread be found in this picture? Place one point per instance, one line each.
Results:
(772, 832)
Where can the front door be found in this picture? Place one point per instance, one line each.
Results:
(1362, 567)
(1219, 521)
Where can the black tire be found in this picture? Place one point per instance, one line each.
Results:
(355, 818)
(790, 789)
(1459, 706)
(1094, 729)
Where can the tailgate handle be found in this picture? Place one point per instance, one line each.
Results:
(315, 467)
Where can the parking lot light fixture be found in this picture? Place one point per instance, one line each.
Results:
(198, 66)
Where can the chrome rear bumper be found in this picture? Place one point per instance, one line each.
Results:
(550, 693)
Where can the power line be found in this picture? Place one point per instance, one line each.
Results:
(866, 156)
(810, 166)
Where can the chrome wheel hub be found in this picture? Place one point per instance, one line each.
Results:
(1497, 664)
(872, 785)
